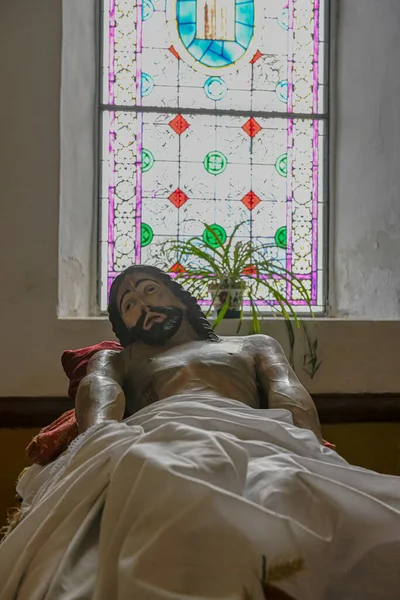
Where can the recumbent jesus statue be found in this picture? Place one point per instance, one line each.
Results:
(170, 349)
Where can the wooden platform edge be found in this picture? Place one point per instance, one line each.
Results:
(25, 412)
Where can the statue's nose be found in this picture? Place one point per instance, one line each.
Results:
(145, 308)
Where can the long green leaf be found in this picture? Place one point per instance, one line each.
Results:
(288, 276)
(281, 301)
(240, 317)
(190, 247)
(231, 237)
(223, 310)
(292, 340)
(203, 255)
(255, 322)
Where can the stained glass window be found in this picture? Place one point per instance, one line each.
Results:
(214, 111)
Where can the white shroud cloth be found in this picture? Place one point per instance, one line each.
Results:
(185, 498)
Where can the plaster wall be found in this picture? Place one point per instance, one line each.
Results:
(359, 342)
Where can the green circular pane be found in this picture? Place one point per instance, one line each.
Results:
(281, 165)
(281, 237)
(146, 235)
(147, 160)
(215, 162)
(210, 239)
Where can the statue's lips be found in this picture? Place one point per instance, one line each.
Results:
(153, 318)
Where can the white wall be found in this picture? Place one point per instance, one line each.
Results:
(359, 355)
(367, 185)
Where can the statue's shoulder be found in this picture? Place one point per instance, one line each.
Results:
(255, 338)
(107, 356)
(246, 341)
(108, 362)
(232, 339)
(257, 341)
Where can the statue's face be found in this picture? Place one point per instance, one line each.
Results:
(149, 309)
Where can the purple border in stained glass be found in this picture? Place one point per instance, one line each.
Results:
(259, 303)
(314, 231)
(139, 130)
(111, 139)
(289, 203)
(110, 279)
(289, 184)
(111, 53)
(290, 7)
(316, 56)
(111, 191)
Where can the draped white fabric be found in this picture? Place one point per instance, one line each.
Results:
(184, 499)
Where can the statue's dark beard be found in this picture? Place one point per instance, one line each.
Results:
(159, 333)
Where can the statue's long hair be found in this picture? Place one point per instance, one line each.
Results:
(195, 315)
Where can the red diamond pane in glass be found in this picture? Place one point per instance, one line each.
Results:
(251, 127)
(177, 268)
(178, 198)
(250, 270)
(251, 200)
(179, 124)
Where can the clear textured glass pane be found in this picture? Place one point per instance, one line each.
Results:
(164, 175)
(174, 53)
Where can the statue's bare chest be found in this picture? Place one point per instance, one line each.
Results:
(190, 355)
(225, 366)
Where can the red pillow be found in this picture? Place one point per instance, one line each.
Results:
(51, 441)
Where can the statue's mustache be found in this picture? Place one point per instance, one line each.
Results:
(148, 316)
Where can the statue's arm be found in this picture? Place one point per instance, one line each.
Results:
(279, 383)
(100, 396)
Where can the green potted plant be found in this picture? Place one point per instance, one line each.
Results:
(231, 273)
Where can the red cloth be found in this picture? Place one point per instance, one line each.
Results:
(51, 441)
